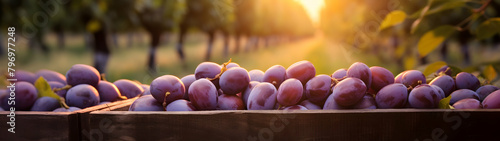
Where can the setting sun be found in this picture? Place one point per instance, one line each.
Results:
(313, 8)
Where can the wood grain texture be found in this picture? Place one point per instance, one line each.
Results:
(378, 124)
(41, 126)
(83, 116)
(32, 125)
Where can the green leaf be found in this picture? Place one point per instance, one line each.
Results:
(392, 19)
(44, 89)
(489, 73)
(488, 28)
(470, 69)
(432, 39)
(454, 70)
(445, 103)
(432, 68)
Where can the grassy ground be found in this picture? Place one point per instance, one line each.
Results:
(130, 62)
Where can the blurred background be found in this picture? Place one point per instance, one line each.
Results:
(144, 39)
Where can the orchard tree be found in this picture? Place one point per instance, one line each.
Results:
(270, 21)
(157, 17)
(124, 19)
(296, 14)
(465, 21)
(34, 17)
(11, 10)
(92, 14)
(245, 20)
(408, 31)
(63, 20)
(208, 16)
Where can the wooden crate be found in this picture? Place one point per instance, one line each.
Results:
(84, 117)
(40, 126)
(378, 124)
(31, 125)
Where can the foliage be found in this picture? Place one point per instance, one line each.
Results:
(43, 88)
(414, 29)
(432, 39)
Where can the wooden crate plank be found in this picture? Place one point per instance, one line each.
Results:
(33, 125)
(83, 115)
(41, 126)
(379, 124)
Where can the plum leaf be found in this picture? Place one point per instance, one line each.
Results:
(392, 19)
(431, 68)
(445, 103)
(432, 39)
(43, 88)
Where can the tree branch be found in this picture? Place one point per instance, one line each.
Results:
(482, 8)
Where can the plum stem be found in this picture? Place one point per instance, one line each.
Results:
(164, 104)
(222, 70)
(121, 97)
(62, 101)
(409, 88)
(443, 72)
(485, 82)
(335, 81)
(103, 77)
(67, 87)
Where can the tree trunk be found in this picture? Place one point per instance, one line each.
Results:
(250, 43)
(87, 37)
(39, 40)
(211, 37)
(155, 41)
(423, 60)
(130, 40)
(256, 43)
(1, 45)
(237, 43)
(395, 44)
(496, 41)
(165, 39)
(465, 50)
(463, 38)
(226, 44)
(114, 38)
(266, 41)
(444, 51)
(101, 50)
(180, 43)
(61, 40)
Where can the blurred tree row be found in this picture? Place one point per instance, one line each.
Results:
(408, 31)
(101, 20)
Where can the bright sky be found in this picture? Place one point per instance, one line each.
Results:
(313, 8)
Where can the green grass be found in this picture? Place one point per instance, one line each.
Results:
(130, 63)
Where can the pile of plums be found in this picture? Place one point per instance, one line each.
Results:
(82, 87)
(231, 87)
